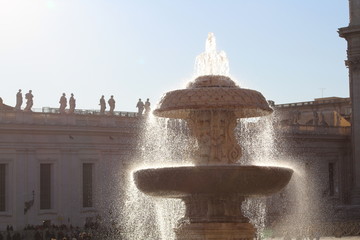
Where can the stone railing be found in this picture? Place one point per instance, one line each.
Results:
(309, 103)
(81, 111)
(79, 118)
(308, 129)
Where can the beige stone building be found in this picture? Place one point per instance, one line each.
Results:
(59, 168)
(351, 34)
(318, 134)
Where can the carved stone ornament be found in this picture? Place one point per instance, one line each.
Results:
(211, 105)
(214, 131)
(353, 64)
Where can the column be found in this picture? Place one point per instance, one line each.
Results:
(354, 6)
(352, 36)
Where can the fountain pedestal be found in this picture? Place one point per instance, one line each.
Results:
(214, 209)
(215, 231)
(214, 217)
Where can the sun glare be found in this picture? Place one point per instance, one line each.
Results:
(20, 21)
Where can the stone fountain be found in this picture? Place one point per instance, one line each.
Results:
(214, 188)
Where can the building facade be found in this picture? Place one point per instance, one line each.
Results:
(62, 168)
(318, 135)
(59, 168)
(352, 36)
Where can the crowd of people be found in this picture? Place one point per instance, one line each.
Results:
(91, 231)
(143, 108)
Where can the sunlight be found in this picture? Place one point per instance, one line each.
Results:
(20, 21)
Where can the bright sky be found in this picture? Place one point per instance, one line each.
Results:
(289, 50)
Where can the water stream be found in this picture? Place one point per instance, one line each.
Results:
(166, 142)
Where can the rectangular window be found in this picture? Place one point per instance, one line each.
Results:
(331, 179)
(45, 186)
(87, 185)
(2, 187)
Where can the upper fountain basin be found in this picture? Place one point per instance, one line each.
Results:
(179, 182)
(212, 92)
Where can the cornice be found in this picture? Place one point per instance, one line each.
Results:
(59, 130)
(348, 31)
(312, 104)
(71, 120)
(353, 63)
(120, 147)
(316, 132)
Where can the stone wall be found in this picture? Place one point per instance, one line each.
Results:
(66, 142)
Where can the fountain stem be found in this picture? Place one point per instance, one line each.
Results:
(214, 132)
(209, 216)
(206, 208)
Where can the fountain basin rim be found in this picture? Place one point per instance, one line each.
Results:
(212, 81)
(243, 102)
(212, 180)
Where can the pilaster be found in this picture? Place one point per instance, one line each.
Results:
(354, 6)
(352, 36)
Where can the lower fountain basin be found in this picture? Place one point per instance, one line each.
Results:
(180, 182)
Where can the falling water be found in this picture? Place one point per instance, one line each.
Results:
(166, 142)
(257, 136)
(300, 202)
(163, 142)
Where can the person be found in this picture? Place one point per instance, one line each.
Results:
(111, 103)
(60, 235)
(72, 103)
(47, 234)
(29, 103)
(102, 105)
(16, 236)
(37, 235)
(147, 106)
(63, 103)
(19, 100)
(140, 106)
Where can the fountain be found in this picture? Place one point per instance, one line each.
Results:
(214, 188)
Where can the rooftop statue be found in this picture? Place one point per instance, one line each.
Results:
(19, 100)
(102, 105)
(72, 104)
(147, 107)
(63, 103)
(111, 103)
(29, 101)
(140, 105)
